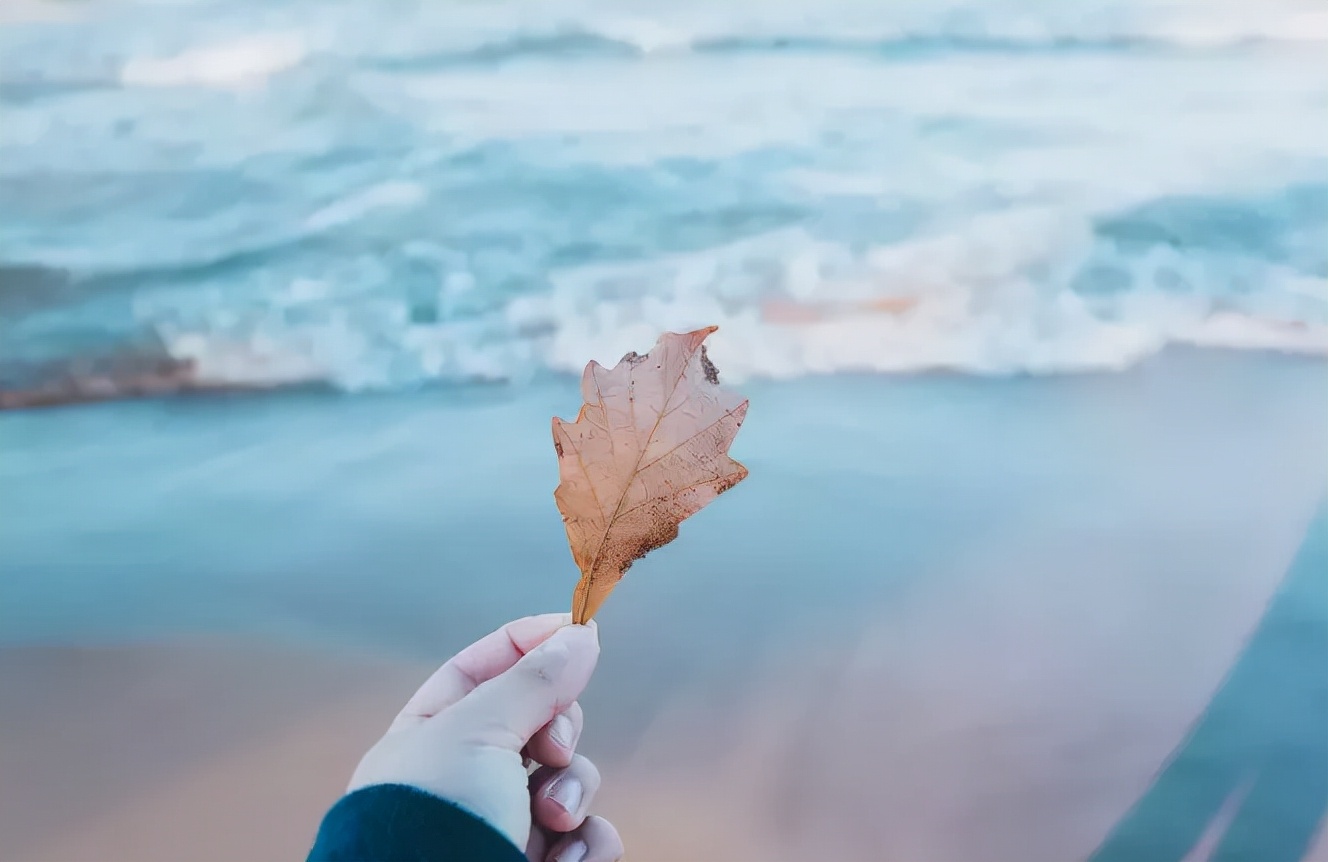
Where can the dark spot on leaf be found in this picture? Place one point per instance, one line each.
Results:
(708, 368)
(664, 532)
(727, 482)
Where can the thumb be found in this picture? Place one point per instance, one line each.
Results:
(509, 709)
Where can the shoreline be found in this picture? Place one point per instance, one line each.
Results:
(159, 377)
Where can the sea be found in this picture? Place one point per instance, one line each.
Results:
(387, 196)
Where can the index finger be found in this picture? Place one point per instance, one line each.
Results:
(486, 658)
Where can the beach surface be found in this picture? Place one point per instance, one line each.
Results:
(946, 618)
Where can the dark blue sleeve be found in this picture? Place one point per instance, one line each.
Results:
(397, 823)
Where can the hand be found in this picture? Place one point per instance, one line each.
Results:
(468, 733)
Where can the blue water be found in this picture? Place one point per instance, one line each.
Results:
(449, 192)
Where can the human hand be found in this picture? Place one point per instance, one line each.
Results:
(468, 733)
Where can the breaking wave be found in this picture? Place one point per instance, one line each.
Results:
(218, 195)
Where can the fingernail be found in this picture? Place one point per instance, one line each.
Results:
(581, 630)
(563, 731)
(588, 632)
(574, 852)
(567, 792)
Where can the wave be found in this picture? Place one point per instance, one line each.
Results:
(240, 63)
(252, 60)
(997, 298)
(1010, 293)
(387, 195)
(1031, 290)
(557, 45)
(381, 231)
(647, 39)
(872, 338)
(24, 289)
(923, 306)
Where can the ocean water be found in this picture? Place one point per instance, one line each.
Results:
(388, 196)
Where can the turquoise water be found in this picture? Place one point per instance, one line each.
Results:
(450, 192)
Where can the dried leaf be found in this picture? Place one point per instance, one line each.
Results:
(648, 449)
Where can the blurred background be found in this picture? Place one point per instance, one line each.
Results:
(1030, 300)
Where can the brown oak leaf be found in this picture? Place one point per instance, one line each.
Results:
(648, 449)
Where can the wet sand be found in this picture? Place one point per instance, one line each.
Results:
(180, 751)
(942, 733)
(992, 726)
(945, 618)
(989, 726)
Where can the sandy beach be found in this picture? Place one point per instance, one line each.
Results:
(222, 751)
(994, 649)
(180, 751)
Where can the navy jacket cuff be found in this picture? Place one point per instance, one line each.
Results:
(398, 823)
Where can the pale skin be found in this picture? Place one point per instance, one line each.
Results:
(504, 704)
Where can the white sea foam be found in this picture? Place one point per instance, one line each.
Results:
(810, 321)
(646, 35)
(1243, 332)
(985, 301)
(245, 62)
(259, 362)
(990, 187)
(387, 195)
(993, 297)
